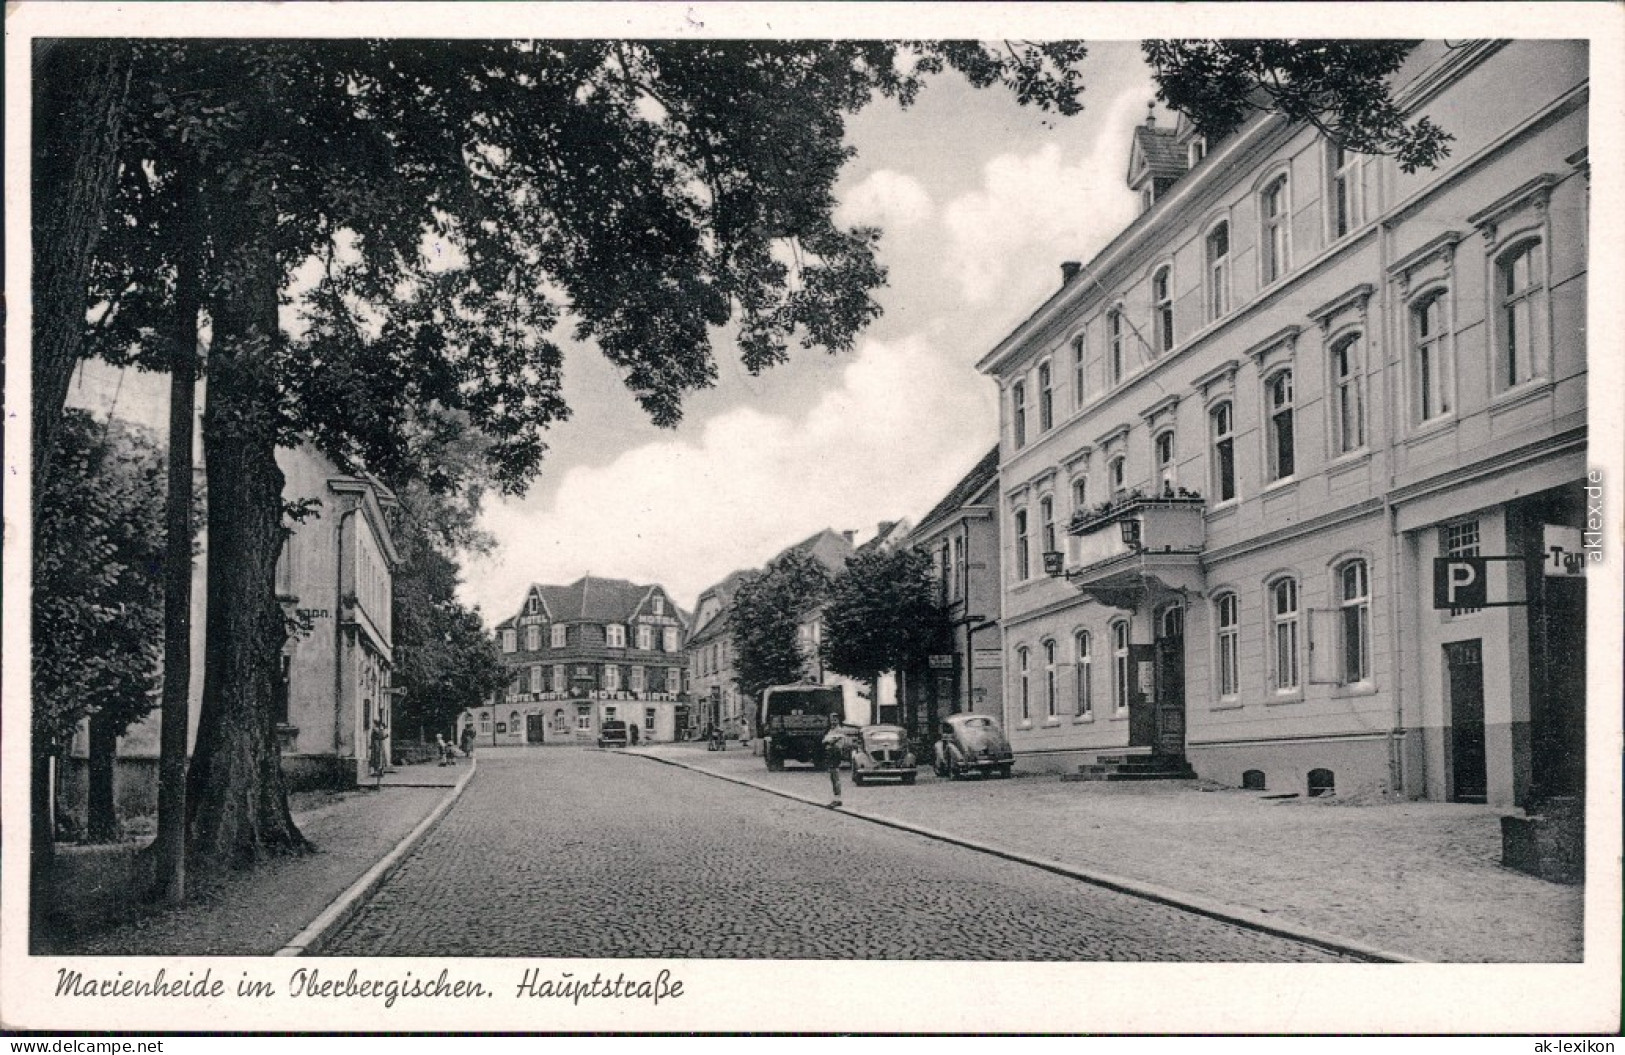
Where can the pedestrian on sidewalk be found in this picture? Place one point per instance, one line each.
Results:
(444, 749)
(832, 762)
(468, 741)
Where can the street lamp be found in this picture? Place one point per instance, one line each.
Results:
(1131, 533)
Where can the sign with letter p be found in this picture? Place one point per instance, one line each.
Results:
(1460, 582)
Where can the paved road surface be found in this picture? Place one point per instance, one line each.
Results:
(581, 853)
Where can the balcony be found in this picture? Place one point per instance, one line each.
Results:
(1135, 547)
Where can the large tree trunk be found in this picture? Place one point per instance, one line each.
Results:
(102, 806)
(236, 799)
(42, 851)
(78, 120)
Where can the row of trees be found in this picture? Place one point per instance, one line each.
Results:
(882, 613)
(379, 237)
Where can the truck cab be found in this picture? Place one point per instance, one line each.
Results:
(794, 719)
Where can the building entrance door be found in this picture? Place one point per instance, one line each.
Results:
(534, 725)
(1464, 667)
(1170, 682)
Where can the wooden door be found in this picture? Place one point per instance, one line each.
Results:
(1464, 666)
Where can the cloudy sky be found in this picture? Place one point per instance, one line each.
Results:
(980, 200)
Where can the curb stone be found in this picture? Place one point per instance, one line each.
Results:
(1237, 916)
(309, 941)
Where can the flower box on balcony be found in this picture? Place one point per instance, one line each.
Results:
(1087, 522)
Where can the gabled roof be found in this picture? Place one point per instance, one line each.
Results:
(724, 593)
(970, 485)
(830, 547)
(595, 600)
(1156, 153)
(887, 534)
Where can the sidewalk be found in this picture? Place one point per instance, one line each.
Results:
(1422, 879)
(258, 912)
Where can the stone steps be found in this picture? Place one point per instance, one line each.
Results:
(1133, 767)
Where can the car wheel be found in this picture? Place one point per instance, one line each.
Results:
(1004, 772)
(908, 778)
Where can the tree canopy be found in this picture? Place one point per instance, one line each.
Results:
(767, 609)
(884, 614)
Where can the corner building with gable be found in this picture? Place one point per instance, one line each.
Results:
(1234, 442)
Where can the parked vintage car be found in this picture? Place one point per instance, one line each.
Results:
(882, 752)
(612, 733)
(972, 743)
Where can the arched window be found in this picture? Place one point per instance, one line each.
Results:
(1114, 343)
(1274, 235)
(1080, 380)
(1116, 471)
(1227, 620)
(1023, 564)
(1282, 437)
(1046, 398)
(1120, 665)
(1162, 307)
(1284, 630)
(1080, 494)
(1046, 522)
(1520, 293)
(1085, 701)
(1049, 679)
(1348, 409)
(1345, 197)
(1354, 617)
(1322, 782)
(1163, 448)
(1024, 688)
(1253, 780)
(1018, 411)
(1221, 422)
(1218, 271)
(1430, 357)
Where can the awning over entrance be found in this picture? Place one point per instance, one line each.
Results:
(1137, 548)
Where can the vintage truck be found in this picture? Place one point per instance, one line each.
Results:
(794, 719)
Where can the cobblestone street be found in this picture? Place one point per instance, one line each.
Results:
(579, 853)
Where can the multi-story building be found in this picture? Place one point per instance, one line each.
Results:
(593, 651)
(1235, 442)
(710, 647)
(865, 703)
(961, 533)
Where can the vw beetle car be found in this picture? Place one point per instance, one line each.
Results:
(972, 743)
(882, 752)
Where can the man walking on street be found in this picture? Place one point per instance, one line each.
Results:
(832, 762)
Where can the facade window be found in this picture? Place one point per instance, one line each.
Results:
(674, 679)
(533, 638)
(1022, 674)
(1080, 382)
(1222, 422)
(536, 679)
(1080, 494)
(1163, 446)
(1085, 702)
(510, 640)
(1228, 619)
(1460, 540)
(959, 568)
(1022, 564)
(1114, 343)
(1046, 399)
(1432, 358)
(558, 635)
(1354, 611)
(615, 635)
(1218, 271)
(1284, 628)
(1274, 239)
(1345, 195)
(668, 639)
(583, 716)
(533, 606)
(1018, 411)
(1049, 679)
(1520, 310)
(612, 677)
(635, 682)
(1120, 665)
(659, 604)
(1282, 440)
(1162, 308)
(1116, 470)
(1046, 522)
(558, 677)
(944, 572)
(1348, 411)
(485, 721)
(1196, 151)
(646, 636)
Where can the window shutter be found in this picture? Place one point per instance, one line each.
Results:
(1325, 666)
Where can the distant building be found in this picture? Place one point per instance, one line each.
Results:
(961, 533)
(596, 650)
(710, 648)
(1235, 442)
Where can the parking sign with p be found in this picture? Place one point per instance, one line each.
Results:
(1460, 582)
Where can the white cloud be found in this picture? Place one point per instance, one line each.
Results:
(1035, 210)
(684, 512)
(886, 198)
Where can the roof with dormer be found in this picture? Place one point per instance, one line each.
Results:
(591, 599)
(1156, 153)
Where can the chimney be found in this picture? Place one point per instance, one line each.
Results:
(1069, 271)
(848, 536)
